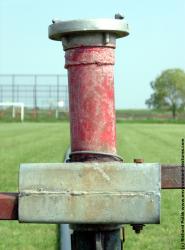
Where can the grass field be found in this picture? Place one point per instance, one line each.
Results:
(47, 142)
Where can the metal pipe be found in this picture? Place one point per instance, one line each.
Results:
(65, 235)
(91, 95)
(89, 58)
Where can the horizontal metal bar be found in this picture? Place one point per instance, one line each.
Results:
(24, 75)
(171, 176)
(60, 85)
(170, 179)
(8, 206)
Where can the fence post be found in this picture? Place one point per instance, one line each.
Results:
(34, 112)
(1, 95)
(57, 107)
(35, 92)
(13, 88)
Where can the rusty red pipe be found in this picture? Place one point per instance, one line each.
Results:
(91, 99)
(89, 47)
(89, 53)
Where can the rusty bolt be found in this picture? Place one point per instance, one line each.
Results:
(137, 227)
(138, 160)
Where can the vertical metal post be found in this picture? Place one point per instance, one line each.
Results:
(13, 88)
(65, 234)
(35, 93)
(50, 96)
(89, 58)
(34, 112)
(1, 93)
(57, 107)
(17, 93)
(13, 112)
(13, 95)
(22, 112)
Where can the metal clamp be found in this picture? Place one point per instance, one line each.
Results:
(97, 193)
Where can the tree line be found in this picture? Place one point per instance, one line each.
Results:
(168, 91)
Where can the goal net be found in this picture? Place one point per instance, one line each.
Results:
(14, 106)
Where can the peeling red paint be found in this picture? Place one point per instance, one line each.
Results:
(91, 96)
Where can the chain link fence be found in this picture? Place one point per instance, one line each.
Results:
(40, 94)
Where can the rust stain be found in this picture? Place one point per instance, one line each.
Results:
(91, 97)
(8, 206)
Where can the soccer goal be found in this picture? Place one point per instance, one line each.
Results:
(14, 105)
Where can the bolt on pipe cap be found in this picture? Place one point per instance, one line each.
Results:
(60, 29)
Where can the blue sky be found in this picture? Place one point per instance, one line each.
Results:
(156, 41)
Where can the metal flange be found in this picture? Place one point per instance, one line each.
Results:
(60, 29)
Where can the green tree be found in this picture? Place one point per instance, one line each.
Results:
(168, 91)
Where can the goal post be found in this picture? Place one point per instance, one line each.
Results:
(14, 105)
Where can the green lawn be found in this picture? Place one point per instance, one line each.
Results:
(47, 142)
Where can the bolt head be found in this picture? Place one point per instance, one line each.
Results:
(137, 227)
(55, 20)
(119, 16)
(138, 160)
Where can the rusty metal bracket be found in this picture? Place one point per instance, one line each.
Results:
(171, 177)
(108, 192)
(8, 206)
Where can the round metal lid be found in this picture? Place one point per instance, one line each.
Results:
(59, 29)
